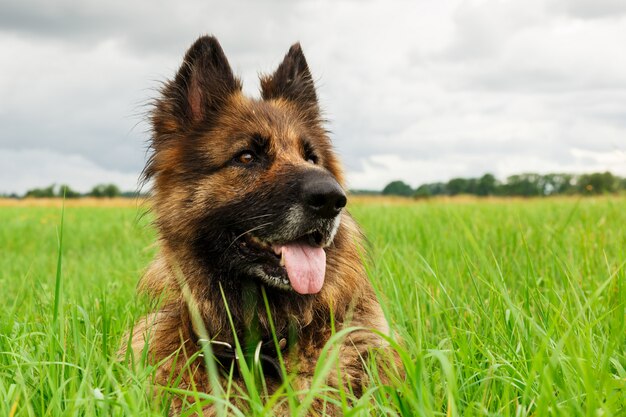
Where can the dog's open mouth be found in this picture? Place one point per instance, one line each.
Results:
(299, 265)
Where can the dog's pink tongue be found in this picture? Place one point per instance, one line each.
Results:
(306, 267)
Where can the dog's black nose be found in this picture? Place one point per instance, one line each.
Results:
(323, 196)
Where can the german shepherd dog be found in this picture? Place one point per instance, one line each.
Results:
(256, 247)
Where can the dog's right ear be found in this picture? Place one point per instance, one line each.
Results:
(292, 81)
(202, 85)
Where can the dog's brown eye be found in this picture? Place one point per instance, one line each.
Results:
(245, 157)
(309, 155)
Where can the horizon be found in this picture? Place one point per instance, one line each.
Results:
(140, 191)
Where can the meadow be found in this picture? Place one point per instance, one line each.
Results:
(504, 308)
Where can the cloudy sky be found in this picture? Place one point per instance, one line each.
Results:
(420, 90)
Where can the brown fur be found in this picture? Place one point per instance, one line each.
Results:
(198, 122)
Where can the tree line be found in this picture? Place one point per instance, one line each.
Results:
(523, 185)
(63, 190)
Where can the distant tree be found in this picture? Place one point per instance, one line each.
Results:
(67, 192)
(423, 191)
(398, 188)
(47, 192)
(432, 189)
(557, 184)
(458, 186)
(364, 192)
(486, 185)
(598, 183)
(437, 188)
(526, 185)
(97, 191)
(105, 190)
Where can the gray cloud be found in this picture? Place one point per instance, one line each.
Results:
(586, 9)
(151, 26)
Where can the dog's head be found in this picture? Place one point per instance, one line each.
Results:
(249, 187)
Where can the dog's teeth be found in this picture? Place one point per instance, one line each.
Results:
(282, 259)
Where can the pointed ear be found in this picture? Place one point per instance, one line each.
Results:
(292, 81)
(202, 85)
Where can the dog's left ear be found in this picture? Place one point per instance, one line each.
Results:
(292, 81)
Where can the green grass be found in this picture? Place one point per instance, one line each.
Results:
(511, 308)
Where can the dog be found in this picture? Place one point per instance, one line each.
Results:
(256, 248)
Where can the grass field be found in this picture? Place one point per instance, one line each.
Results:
(505, 308)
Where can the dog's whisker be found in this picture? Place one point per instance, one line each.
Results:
(248, 219)
(262, 225)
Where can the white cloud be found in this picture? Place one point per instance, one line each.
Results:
(23, 170)
(414, 90)
(379, 170)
